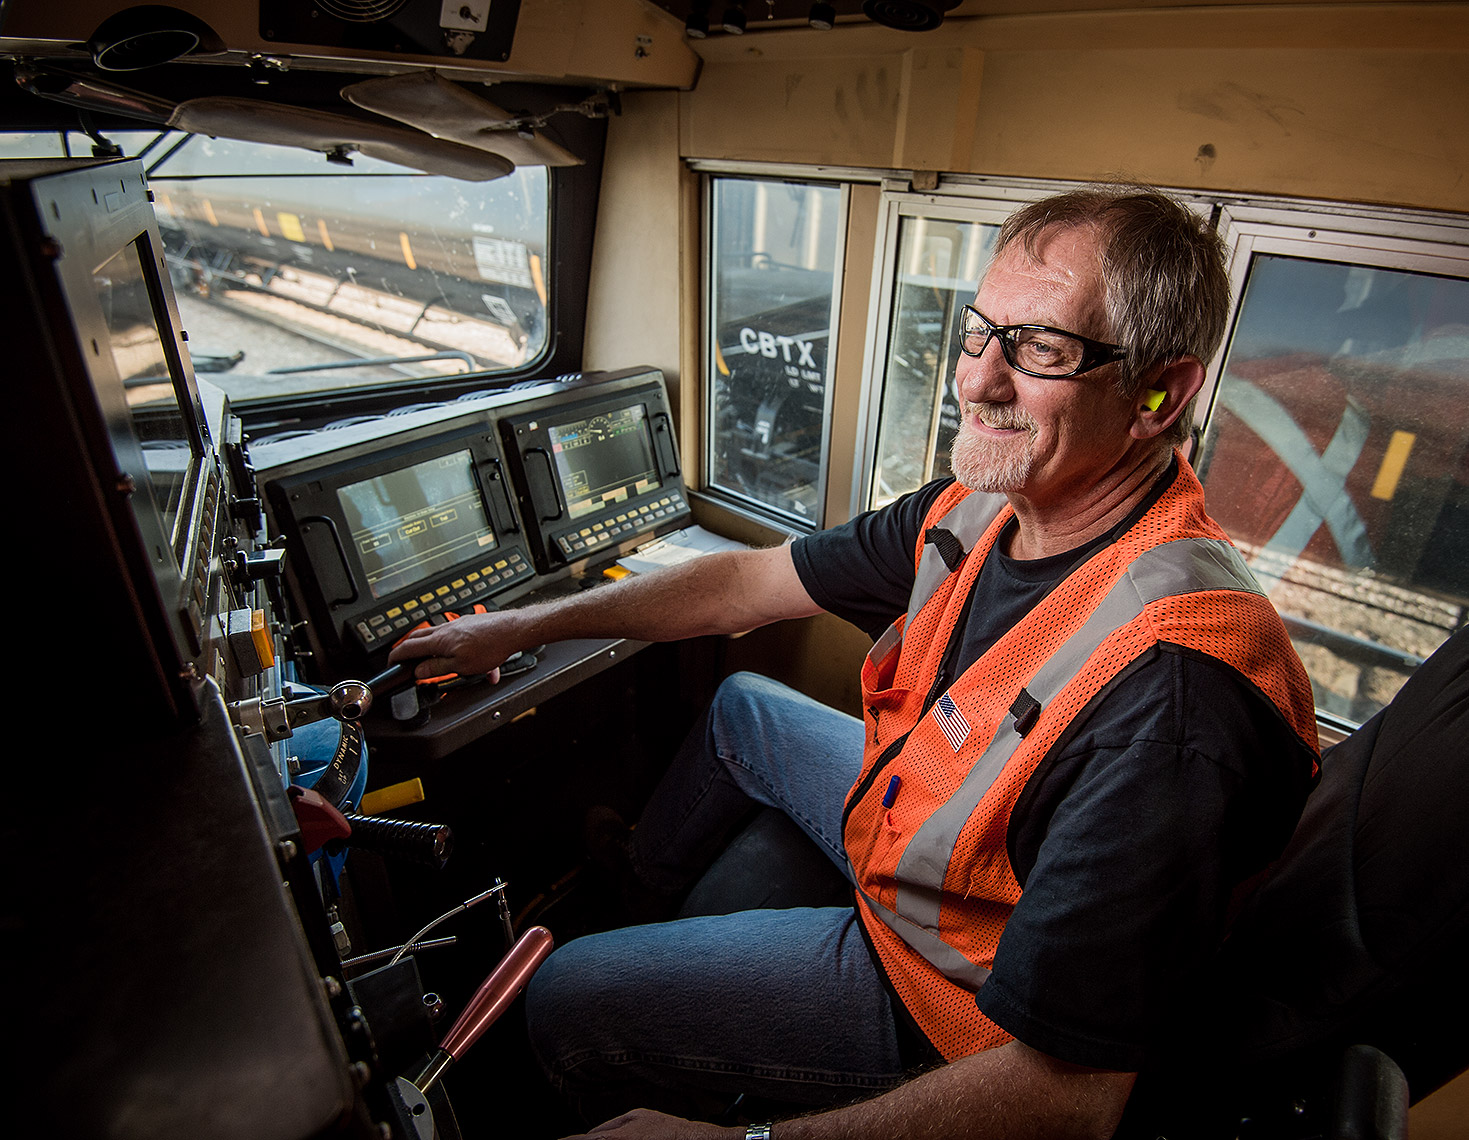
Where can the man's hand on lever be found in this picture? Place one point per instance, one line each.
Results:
(476, 643)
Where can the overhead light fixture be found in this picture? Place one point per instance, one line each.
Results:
(823, 17)
(906, 15)
(696, 25)
(734, 20)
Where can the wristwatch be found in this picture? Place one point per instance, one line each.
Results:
(758, 1131)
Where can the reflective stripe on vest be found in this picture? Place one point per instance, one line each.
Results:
(966, 520)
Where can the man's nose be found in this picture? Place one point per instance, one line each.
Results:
(985, 378)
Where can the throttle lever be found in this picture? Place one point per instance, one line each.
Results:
(491, 1000)
(393, 678)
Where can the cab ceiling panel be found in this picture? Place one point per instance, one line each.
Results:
(613, 42)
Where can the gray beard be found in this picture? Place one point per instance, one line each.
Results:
(985, 465)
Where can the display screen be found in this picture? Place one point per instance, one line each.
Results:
(417, 521)
(152, 399)
(604, 459)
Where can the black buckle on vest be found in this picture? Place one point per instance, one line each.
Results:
(950, 549)
(1026, 710)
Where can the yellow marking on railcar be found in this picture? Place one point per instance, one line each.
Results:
(326, 238)
(260, 222)
(538, 277)
(1393, 461)
(407, 251)
(290, 225)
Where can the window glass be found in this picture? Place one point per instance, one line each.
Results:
(307, 266)
(773, 268)
(289, 270)
(1337, 457)
(76, 144)
(32, 144)
(938, 271)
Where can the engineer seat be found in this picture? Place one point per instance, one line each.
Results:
(1359, 938)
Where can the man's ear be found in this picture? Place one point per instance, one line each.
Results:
(1163, 398)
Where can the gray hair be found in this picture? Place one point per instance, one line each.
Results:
(1166, 289)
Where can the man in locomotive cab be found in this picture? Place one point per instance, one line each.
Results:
(1084, 727)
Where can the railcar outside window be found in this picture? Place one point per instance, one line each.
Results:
(774, 259)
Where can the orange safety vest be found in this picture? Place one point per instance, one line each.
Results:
(933, 875)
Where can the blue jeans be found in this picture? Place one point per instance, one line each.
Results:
(783, 1006)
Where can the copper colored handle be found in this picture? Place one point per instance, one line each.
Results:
(498, 990)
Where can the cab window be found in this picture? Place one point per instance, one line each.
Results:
(1337, 454)
(296, 276)
(773, 258)
(933, 272)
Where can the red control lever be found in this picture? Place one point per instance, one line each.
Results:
(492, 999)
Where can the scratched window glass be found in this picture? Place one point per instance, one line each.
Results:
(773, 262)
(1337, 457)
(939, 265)
(296, 275)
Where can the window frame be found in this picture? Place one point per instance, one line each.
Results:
(1376, 238)
(1416, 243)
(900, 203)
(710, 175)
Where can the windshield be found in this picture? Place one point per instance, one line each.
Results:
(287, 266)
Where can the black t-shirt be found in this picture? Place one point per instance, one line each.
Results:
(1178, 781)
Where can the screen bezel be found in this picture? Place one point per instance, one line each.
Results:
(527, 437)
(326, 574)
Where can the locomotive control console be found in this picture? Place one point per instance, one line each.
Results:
(180, 991)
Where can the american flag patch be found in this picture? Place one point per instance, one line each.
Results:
(951, 720)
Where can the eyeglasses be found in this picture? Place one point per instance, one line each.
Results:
(1036, 350)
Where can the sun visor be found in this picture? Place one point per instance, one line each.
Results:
(282, 125)
(428, 101)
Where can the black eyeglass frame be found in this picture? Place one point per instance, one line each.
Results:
(1094, 353)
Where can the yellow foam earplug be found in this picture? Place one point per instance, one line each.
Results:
(1153, 399)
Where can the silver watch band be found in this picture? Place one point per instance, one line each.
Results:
(757, 1131)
